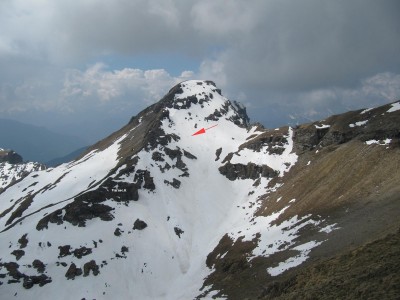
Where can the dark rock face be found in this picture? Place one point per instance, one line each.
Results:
(343, 128)
(143, 176)
(175, 183)
(249, 171)
(189, 155)
(73, 271)
(177, 154)
(84, 207)
(157, 156)
(10, 156)
(214, 116)
(273, 141)
(12, 269)
(139, 225)
(28, 281)
(90, 266)
(218, 153)
(18, 254)
(308, 138)
(117, 232)
(64, 250)
(79, 211)
(178, 231)
(25, 203)
(23, 241)
(241, 118)
(83, 251)
(78, 252)
(39, 266)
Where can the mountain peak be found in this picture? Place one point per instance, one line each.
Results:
(204, 99)
(156, 212)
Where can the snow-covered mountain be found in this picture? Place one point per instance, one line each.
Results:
(12, 167)
(155, 211)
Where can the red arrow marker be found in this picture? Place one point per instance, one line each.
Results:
(201, 131)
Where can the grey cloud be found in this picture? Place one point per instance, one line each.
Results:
(298, 107)
(310, 44)
(281, 58)
(275, 44)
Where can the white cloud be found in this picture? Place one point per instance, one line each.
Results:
(98, 85)
(95, 88)
(214, 70)
(383, 85)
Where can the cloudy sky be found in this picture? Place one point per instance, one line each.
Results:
(85, 67)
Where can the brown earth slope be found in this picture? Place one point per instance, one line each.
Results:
(367, 272)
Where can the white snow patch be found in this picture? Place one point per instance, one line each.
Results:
(329, 228)
(395, 107)
(365, 111)
(322, 126)
(294, 261)
(381, 143)
(360, 123)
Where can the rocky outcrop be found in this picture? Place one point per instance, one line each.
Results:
(139, 225)
(363, 125)
(249, 171)
(28, 281)
(73, 271)
(90, 266)
(10, 156)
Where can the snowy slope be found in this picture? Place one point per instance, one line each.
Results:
(12, 172)
(137, 216)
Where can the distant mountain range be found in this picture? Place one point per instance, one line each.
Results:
(35, 143)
